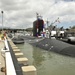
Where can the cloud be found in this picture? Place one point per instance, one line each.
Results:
(22, 13)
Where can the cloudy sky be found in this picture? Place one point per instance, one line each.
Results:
(22, 13)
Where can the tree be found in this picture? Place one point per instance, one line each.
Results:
(73, 27)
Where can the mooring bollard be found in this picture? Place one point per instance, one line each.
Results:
(29, 70)
(23, 60)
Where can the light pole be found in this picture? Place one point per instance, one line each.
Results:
(2, 21)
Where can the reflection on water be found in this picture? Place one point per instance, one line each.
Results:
(48, 63)
(38, 57)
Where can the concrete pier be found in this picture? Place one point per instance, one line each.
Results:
(23, 60)
(19, 55)
(16, 50)
(13, 59)
(29, 70)
(15, 47)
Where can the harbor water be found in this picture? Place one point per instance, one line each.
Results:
(47, 62)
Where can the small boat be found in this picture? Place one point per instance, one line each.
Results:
(18, 40)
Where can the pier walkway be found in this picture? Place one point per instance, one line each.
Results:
(2, 61)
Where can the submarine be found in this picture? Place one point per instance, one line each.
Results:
(56, 46)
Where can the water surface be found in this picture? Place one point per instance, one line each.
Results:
(46, 62)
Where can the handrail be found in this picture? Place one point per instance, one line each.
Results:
(10, 69)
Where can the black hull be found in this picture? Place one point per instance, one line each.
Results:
(18, 42)
(56, 46)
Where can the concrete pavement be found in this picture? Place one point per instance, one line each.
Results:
(2, 62)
